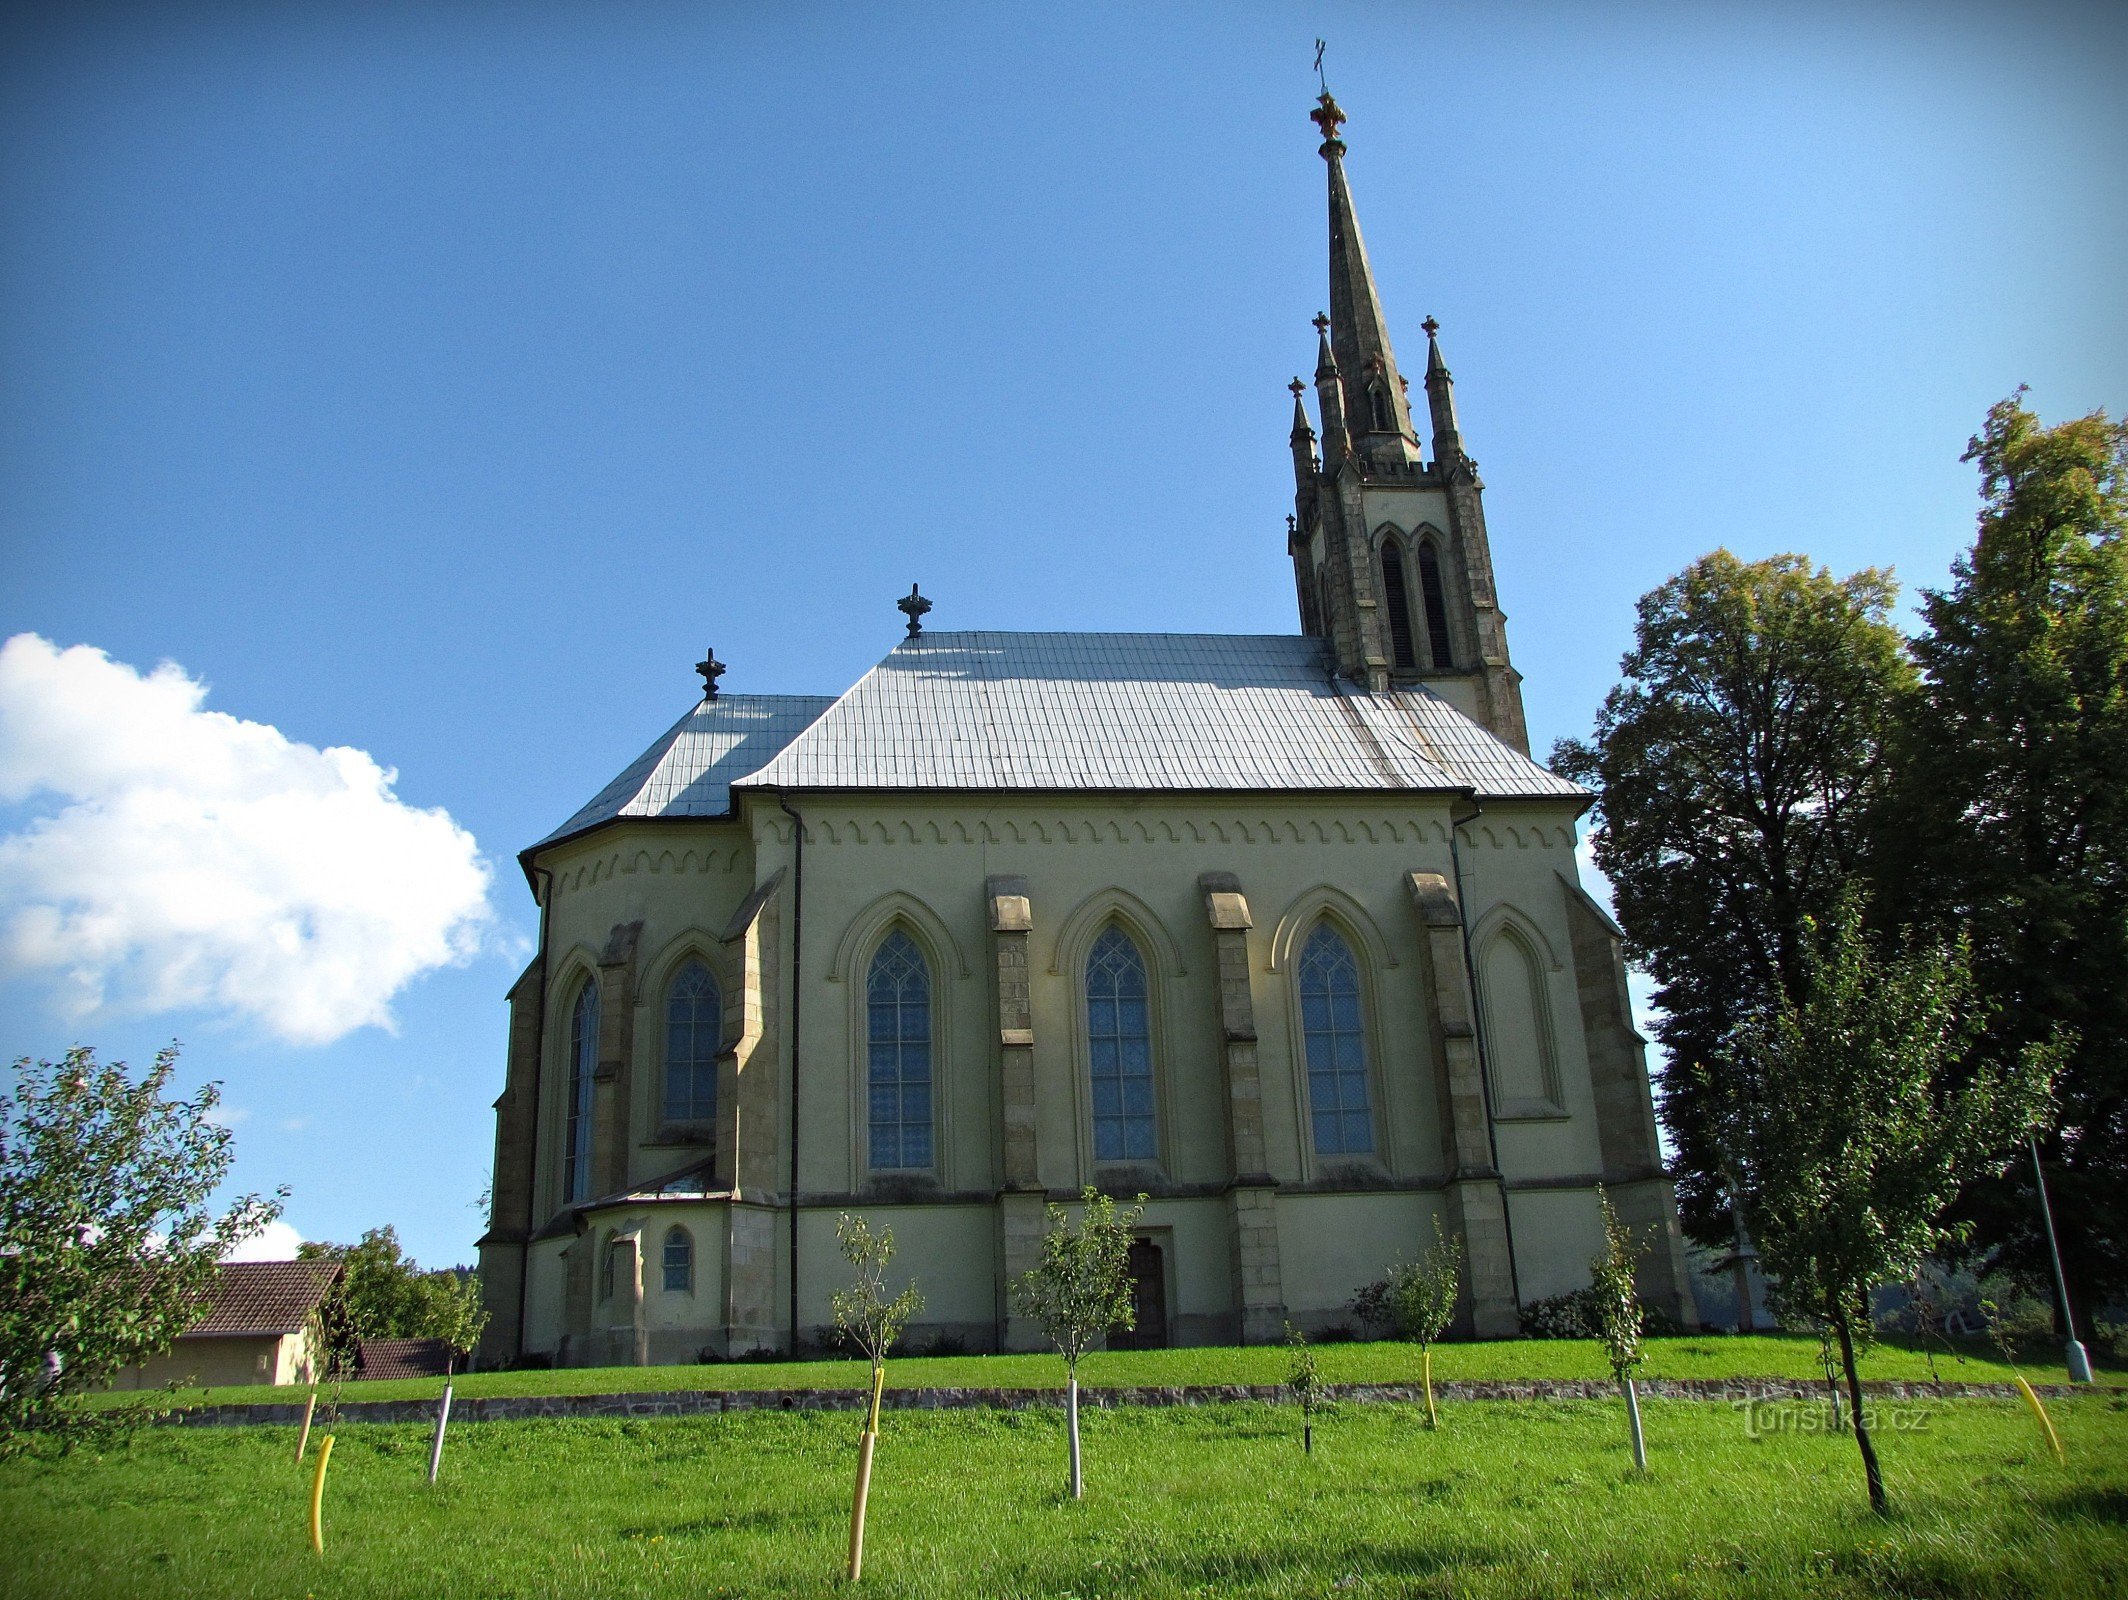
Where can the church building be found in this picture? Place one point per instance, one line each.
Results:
(1284, 932)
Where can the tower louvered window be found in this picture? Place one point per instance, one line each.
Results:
(898, 1045)
(1396, 600)
(1336, 1046)
(583, 1066)
(1120, 1044)
(693, 1023)
(1436, 607)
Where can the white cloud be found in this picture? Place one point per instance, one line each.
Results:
(198, 861)
(277, 1241)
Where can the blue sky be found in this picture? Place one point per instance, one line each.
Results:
(434, 381)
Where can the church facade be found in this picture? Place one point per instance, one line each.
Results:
(1283, 932)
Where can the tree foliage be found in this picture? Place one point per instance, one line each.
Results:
(866, 1316)
(1736, 764)
(1422, 1295)
(386, 1295)
(1852, 1126)
(1614, 1302)
(1080, 1286)
(2010, 817)
(109, 1239)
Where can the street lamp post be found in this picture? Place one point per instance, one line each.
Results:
(2079, 1362)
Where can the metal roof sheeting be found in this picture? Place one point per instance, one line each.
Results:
(689, 772)
(1140, 711)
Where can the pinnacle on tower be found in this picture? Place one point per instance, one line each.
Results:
(1441, 397)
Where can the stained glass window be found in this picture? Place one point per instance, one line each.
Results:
(1336, 1045)
(679, 1262)
(898, 1044)
(693, 1023)
(1120, 1045)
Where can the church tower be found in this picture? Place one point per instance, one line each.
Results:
(1390, 556)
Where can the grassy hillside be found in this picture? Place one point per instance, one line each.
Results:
(1728, 1356)
(1507, 1499)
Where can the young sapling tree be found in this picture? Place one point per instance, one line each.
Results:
(1303, 1384)
(1079, 1289)
(1855, 1118)
(1616, 1307)
(867, 1318)
(1422, 1300)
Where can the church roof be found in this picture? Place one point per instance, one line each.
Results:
(1140, 711)
(689, 771)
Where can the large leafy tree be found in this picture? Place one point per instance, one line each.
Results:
(109, 1237)
(2010, 821)
(386, 1295)
(1735, 765)
(1852, 1121)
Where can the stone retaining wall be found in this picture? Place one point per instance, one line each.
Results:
(709, 1402)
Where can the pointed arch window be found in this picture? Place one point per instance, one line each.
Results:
(1436, 599)
(1384, 412)
(694, 1017)
(606, 1253)
(679, 1262)
(898, 1051)
(583, 1069)
(1119, 1040)
(1396, 600)
(1335, 1035)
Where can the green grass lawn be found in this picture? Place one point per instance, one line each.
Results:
(1507, 1499)
(1389, 1361)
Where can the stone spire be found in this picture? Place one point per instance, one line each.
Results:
(1375, 409)
(1441, 397)
(1302, 439)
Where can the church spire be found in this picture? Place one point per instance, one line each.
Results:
(1375, 408)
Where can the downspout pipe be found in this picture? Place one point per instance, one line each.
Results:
(797, 1010)
(1456, 825)
(543, 890)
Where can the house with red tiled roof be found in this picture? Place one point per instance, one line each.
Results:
(262, 1326)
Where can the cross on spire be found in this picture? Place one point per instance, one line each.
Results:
(913, 606)
(711, 669)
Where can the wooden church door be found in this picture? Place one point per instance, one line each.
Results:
(1148, 1276)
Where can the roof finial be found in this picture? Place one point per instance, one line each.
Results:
(1296, 388)
(1326, 115)
(711, 669)
(913, 607)
(1320, 322)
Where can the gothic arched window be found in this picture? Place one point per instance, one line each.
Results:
(1120, 1049)
(693, 1029)
(1384, 412)
(1396, 600)
(679, 1262)
(606, 1254)
(898, 1050)
(1335, 1036)
(583, 1066)
(1436, 607)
